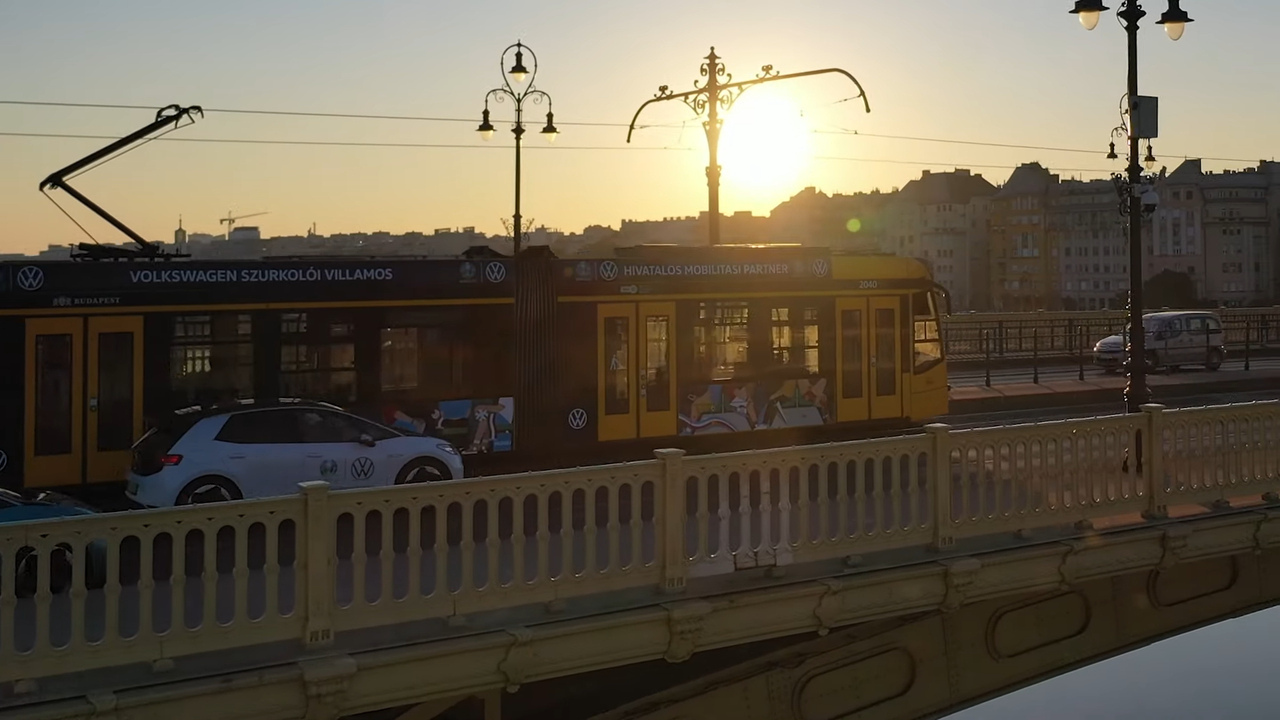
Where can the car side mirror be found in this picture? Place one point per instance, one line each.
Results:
(1159, 335)
(367, 441)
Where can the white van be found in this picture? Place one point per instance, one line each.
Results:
(1173, 339)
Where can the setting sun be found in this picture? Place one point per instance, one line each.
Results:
(765, 146)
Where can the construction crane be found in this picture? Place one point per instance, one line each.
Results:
(230, 221)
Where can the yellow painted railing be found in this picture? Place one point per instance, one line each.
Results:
(157, 586)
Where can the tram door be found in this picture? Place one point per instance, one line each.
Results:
(885, 357)
(869, 357)
(636, 384)
(853, 403)
(83, 399)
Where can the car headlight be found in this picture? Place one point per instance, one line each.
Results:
(447, 448)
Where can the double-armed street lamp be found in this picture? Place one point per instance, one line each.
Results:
(714, 95)
(1138, 122)
(518, 93)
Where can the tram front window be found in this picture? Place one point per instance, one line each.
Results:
(927, 337)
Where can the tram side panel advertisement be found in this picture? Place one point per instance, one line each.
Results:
(766, 403)
(475, 425)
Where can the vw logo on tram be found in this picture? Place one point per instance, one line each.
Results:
(30, 278)
(495, 272)
(608, 270)
(821, 268)
(577, 418)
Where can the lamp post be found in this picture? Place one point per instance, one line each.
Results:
(518, 74)
(1135, 114)
(717, 94)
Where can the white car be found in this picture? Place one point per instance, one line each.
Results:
(255, 450)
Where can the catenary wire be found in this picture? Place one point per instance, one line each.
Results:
(334, 143)
(423, 118)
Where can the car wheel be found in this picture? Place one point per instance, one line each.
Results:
(208, 489)
(1214, 361)
(28, 574)
(1153, 362)
(423, 469)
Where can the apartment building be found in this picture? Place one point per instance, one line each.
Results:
(1221, 230)
(849, 223)
(941, 219)
(1090, 237)
(1024, 268)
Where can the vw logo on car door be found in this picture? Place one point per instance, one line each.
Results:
(362, 468)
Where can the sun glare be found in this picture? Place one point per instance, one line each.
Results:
(764, 146)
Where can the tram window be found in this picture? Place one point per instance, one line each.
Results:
(795, 337)
(446, 353)
(53, 395)
(721, 339)
(317, 357)
(928, 341)
(851, 337)
(781, 335)
(617, 389)
(657, 376)
(211, 357)
(399, 358)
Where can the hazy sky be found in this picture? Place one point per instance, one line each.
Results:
(1005, 71)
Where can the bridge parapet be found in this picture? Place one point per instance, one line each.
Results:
(158, 586)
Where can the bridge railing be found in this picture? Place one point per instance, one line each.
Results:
(158, 586)
(1063, 335)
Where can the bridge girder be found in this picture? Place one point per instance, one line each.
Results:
(941, 662)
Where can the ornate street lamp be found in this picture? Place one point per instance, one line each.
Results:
(1134, 190)
(718, 95)
(518, 74)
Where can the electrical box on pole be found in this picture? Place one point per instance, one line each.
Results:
(1146, 117)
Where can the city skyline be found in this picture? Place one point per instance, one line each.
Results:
(1043, 82)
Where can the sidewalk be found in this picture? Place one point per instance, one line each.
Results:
(1105, 388)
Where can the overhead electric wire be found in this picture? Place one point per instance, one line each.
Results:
(296, 113)
(1006, 146)
(423, 118)
(963, 165)
(916, 163)
(341, 143)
